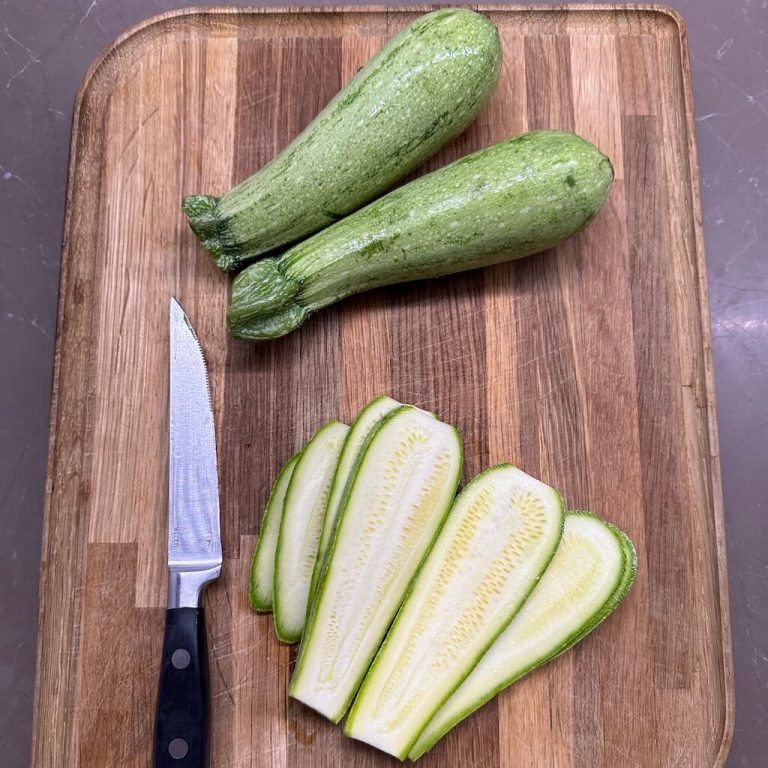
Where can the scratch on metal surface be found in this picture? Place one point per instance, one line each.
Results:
(33, 58)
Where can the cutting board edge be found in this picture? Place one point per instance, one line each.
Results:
(100, 77)
(711, 404)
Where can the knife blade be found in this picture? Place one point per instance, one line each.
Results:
(194, 554)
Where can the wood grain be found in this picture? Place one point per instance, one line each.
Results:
(589, 366)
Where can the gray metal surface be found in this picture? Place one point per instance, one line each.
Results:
(194, 535)
(46, 47)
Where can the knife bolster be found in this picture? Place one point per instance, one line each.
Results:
(186, 587)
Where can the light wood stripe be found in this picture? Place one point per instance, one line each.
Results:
(637, 88)
(596, 95)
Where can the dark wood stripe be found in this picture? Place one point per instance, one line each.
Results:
(535, 282)
(260, 434)
(659, 405)
(364, 319)
(301, 370)
(120, 662)
(438, 363)
(548, 82)
(437, 332)
(257, 440)
(225, 673)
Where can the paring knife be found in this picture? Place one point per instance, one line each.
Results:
(182, 723)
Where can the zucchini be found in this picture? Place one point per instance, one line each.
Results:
(590, 574)
(396, 500)
(415, 95)
(506, 201)
(263, 563)
(300, 525)
(497, 541)
(358, 433)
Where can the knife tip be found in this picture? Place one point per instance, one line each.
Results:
(177, 313)
(178, 319)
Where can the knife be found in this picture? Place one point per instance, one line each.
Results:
(182, 724)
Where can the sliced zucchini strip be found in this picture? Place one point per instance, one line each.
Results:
(396, 500)
(591, 572)
(300, 526)
(263, 563)
(497, 541)
(358, 433)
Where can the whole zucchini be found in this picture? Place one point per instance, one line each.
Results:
(509, 200)
(415, 95)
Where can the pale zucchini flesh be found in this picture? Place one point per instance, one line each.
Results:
(497, 541)
(358, 433)
(396, 500)
(591, 572)
(300, 525)
(262, 576)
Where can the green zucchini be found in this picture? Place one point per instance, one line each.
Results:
(506, 201)
(358, 433)
(395, 502)
(497, 541)
(419, 92)
(263, 563)
(300, 525)
(590, 574)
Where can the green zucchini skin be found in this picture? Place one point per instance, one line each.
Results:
(625, 579)
(416, 94)
(263, 563)
(503, 202)
(300, 525)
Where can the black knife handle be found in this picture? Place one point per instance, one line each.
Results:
(182, 725)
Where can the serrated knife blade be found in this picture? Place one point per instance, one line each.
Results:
(194, 535)
(182, 726)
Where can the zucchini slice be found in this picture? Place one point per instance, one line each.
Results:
(300, 525)
(498, 539)
(263, 563)
(592, 570)
(358, 433)
(395, 502)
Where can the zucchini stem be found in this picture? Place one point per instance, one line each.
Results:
(264, 303)
(204, 221)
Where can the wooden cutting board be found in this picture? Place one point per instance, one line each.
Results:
(589, 366)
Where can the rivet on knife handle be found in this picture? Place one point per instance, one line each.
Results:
(182, 726)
